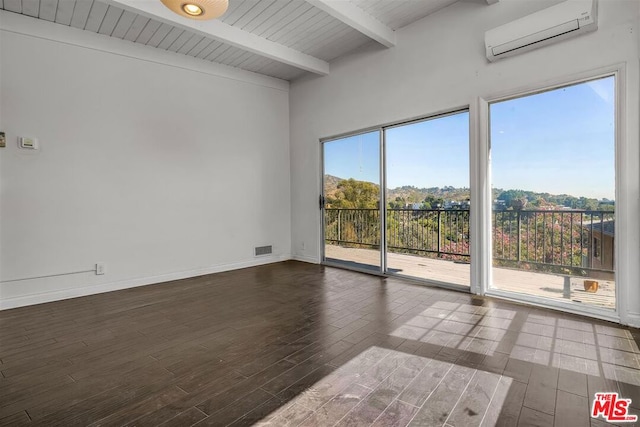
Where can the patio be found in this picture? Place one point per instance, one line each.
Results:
(532, 283)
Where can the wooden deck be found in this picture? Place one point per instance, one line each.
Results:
(520, 281)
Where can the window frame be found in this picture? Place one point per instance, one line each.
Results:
(622, 241)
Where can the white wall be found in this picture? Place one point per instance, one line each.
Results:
(161, 167)
(439, 63)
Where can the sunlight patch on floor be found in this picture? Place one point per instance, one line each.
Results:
(382, 387)
(462, 326)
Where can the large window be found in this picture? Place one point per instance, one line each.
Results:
(553, 190)
(397, 199)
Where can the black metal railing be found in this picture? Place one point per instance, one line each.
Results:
(558, 238)
(444, 233)
(436, 231)
(539, 238)
(353, 227)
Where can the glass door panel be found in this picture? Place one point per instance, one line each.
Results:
(428, 199)
(553, 183)
(351, 189)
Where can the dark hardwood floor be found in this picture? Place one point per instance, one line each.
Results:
(300, 344)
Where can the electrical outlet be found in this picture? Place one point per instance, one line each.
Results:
(100, 268)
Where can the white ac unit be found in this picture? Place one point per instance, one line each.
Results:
(562, 21)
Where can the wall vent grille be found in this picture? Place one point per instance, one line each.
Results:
(263, 250)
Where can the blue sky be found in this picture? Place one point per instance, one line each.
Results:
(560, 141)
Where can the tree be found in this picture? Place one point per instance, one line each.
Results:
(434, 202)
(510, 195)
(519, 204)
(354, 194)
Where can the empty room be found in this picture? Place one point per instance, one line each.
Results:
(319, 212)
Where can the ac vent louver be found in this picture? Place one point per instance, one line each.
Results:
(263, 250)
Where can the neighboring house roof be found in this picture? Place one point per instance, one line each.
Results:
(606, 227)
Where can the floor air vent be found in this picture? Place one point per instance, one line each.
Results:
(263, 250)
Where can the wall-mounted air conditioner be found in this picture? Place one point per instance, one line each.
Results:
(562, 21)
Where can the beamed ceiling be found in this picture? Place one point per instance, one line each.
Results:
(278, 38)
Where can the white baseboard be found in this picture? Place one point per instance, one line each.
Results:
(63, 294)
(308, 259)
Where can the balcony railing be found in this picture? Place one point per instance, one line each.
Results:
(558, 240)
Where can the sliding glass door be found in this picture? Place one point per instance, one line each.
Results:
(425, 213)
(351, 201)
(428, 199)
(554, 194)
(397, 200)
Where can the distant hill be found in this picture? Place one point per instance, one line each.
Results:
(331, 185)
(410, 194)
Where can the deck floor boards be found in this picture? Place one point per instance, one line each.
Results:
(439, 270)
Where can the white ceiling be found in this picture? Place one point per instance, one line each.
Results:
(278, 38)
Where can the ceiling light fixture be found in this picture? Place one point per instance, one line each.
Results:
(198, 9)
(192, 9)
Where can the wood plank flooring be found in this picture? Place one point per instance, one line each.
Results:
(300, 344)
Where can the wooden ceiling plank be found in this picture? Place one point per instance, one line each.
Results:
(227, 34)
(268, 14)
(253, 13)
(253, 61)
(13, 6)
(138, 25)
(384, 7)
(232, 15)
(277, 17)
(209, 49)
(65, 11)
(397, 18)
(124, 24)
(48, 10)
(229, 55)
(321, 42)
(149, 30)
(159, 35)
(321, 25)
(321, 33)
(190, 44)
(81, 13)
(110, 20)
(31, 8)
(180, 41)
(342, 47)
(296, 27)
(97, 14)
(199, 47)
(311, 27)
(217, 52)
(288, 20)
(241, 59)
(170, 38)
